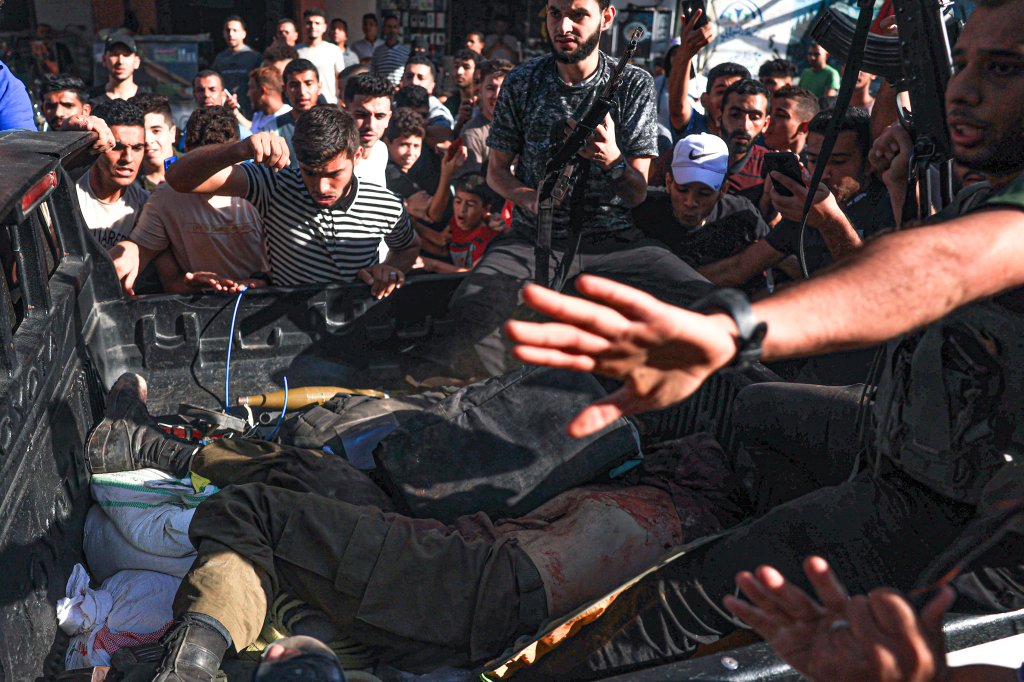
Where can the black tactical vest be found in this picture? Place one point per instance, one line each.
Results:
(950, 405)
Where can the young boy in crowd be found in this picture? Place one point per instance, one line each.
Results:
(472, 228)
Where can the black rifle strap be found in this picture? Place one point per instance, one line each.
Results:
(577, 208)
(853, 64)
(542, 247)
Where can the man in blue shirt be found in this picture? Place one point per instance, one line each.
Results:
(15, 106)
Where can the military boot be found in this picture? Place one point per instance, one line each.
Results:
(191, 651)
(128, 438)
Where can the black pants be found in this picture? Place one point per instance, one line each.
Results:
(881, 528)
(490, 294)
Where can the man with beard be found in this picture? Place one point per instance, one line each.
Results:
(62, 97)
(846, 203)
(464, 73)
(946, 413)
(529, 122)
(744, 117)
(107, 194)
(326, 56)
(389, 57)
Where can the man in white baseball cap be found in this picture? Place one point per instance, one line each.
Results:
(695, 217)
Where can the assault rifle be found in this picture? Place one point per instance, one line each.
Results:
(565, 169)
(918, 62)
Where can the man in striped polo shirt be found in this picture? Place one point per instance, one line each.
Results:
(321, 224)
(389, 59)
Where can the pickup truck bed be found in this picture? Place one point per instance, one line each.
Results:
(66, 333)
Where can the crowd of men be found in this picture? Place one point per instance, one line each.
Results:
(325, 160)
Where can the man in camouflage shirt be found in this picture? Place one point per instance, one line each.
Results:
(530, 121)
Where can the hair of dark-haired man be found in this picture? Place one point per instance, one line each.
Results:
(235, 17)
(210, 125)
(478, 34)
(475, 183)
(406, 123)
(300, 66)
(424, 60)
(285, 20)
(322, 133)
(64, 83)
(120, 112)
(781, 68)
(726, 70)
(854, 119)
(467, 55)
(370, 15)
(493, 66)
(369, 86)
(154, 104)
(339, 20)
(314, 12)
(207, 73)
(278, 52)
(806, 101)
(412, 97)
(747, 86)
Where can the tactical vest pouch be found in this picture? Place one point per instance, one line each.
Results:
(500, 447)
(950, 405)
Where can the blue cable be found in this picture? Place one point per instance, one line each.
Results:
(231, 342)
(284, 411)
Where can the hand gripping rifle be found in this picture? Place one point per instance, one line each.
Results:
(918, 62)
(565, 169)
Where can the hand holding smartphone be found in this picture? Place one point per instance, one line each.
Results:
(785, 163)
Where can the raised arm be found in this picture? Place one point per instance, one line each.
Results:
(692, 41)
(894, 284)
(212, 169)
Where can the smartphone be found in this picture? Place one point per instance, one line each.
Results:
(690, 7)
(456, 145)
(786, 163)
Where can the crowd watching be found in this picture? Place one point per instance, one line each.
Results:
(333, 156)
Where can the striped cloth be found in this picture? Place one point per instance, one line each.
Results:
(306, 243)
(389, 62)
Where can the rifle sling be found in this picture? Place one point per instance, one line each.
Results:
(846, 87)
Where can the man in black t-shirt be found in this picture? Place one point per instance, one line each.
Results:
(530, 119)
(694, 217)
(849, 206)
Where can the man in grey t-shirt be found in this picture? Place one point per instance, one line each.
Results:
(235, 62)
(529, 122)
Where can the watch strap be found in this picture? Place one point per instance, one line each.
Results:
(751, 334)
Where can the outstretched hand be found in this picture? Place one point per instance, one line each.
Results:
(662, 353)
(873, 637)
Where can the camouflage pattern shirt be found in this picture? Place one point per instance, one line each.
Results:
(531, 113)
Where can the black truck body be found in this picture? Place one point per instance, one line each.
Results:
(66, 333)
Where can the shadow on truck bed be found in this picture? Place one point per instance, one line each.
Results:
(66, 334)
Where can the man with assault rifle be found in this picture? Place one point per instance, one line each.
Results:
(530, 123)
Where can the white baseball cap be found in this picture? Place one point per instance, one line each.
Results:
(700, 158)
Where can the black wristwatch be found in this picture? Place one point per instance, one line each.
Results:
(617, 170)
(751, 332)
